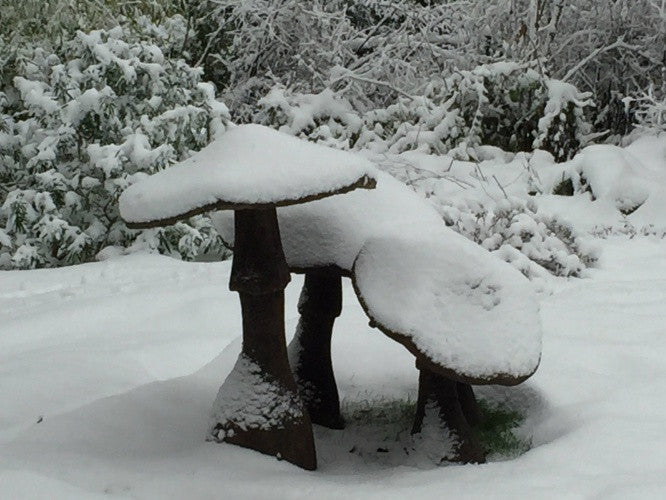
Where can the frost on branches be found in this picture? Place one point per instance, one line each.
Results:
(518, 234)
(508, 105)
(81, 124)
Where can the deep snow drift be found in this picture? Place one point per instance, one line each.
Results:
(109, 371)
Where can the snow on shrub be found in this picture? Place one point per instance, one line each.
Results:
(472, 200)
(651, 110)
(80, 124)
(604, 172)
(324, 118)
(507, 105)
(518, 234)
(562, 128)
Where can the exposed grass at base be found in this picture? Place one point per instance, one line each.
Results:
(386, 419)
(497, 431)
(381, 411)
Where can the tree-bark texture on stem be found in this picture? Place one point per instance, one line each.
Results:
(468, 403)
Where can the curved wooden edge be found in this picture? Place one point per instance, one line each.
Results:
(318, 269)
(365, 182)
(424, 361)
(345, 273)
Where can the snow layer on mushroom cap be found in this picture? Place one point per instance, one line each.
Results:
(332, 231)
(463, 308)
(248, 164)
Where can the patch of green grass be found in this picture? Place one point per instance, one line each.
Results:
(497, 431)
(379, 411)
(385, 422)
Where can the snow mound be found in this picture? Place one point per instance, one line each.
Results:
(247, 165)
(332, 231)
(248, 399)
(609, 174)
(614, 174)
(448, 298)
(652, 152)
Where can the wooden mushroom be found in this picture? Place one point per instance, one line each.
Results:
(468, 318)
(430, 278)
(319, 305)
(252, 170)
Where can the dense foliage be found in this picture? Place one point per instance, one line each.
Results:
(79, 124)
(371, 52)
(95, 94)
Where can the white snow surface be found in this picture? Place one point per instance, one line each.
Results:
(246, 165)
(619, 178)
(464, 308)
(248, 399)
(122, 360)
(331, 231)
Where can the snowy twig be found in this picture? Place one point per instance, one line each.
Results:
(618, 44)
(371, 81)
(500, 186)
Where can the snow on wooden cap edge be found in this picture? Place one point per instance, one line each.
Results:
(364, 182)
(512, 364)
(249, 166)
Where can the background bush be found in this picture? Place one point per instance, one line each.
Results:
(93, 95)
(78, 125)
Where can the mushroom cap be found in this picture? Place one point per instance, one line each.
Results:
(466, 313)
(249, 166)
(332, 231)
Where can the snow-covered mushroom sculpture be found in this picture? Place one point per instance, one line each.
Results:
(251, 170)
(468, 317)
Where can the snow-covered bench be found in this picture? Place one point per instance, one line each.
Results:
(467, 317)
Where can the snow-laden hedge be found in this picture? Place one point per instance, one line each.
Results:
(518, 234)
(508, 105)
(81, 123)
(377, 50)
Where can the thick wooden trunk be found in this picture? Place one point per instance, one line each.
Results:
(259, 274)
(468, 403)
(440, 394)
(310, 350)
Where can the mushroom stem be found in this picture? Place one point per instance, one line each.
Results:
(441, 393)
(468, 403)
(310, 350)
(259, 274)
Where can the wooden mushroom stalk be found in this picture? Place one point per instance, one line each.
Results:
(319, 305)
(251, 170)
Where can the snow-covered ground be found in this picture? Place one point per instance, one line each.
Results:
(108, 372)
